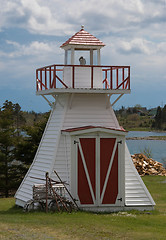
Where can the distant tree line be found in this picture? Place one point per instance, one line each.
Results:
(160, 119)
(139, 117)
(20, 134)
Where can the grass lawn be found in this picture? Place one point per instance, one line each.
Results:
(15, 224)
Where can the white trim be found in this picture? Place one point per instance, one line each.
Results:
(82, 90)
(97, 170)
(99, 197)
(108, 103)
(71, 100)
(108, 171)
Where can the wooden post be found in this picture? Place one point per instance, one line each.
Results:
(123, 76)
(66, 189)
(92, 77)
(45, 78)
(37, 87)
(46, 192)
(73, 77)
(129, 78)
(50, 77)
(111, 85)
(41, 78)
(54, 79)
(117, 78)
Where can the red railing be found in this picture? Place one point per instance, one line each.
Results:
(114, 77)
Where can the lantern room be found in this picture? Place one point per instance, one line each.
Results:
(82, 71)
(82, 49)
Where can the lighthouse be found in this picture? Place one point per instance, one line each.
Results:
(83, 141)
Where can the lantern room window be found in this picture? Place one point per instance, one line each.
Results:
(91, 56)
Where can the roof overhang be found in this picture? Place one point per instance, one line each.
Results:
(93, 129)
(79, 47)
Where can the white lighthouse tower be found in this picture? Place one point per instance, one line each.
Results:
(82, 140)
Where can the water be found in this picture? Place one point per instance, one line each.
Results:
(157, 148)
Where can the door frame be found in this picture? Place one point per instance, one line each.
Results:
(121, 167)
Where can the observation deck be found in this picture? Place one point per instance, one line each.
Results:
(57, 79)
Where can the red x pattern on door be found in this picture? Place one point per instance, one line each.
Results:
(89, 170)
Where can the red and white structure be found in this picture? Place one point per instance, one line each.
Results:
(82, 140)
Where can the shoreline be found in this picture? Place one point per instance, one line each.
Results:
(163, 138)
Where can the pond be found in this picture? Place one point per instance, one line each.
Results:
(157, 148)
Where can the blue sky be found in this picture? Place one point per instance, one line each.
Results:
(31, 32)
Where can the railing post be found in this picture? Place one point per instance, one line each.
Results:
(129, 78)
(37, 87)
(92, 77)
(111, 83)
(45, 78)
(117, 77)
(123, 77)
(50, 77)
(73, 77)
(54, 79)
(41, 78)
(106, 79)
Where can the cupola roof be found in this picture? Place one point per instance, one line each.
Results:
(83, 38)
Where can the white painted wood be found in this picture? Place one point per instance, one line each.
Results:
(82, 77)
(55, 149)
(134, 185)
(44, 154)
(90, 110)
(64, 90)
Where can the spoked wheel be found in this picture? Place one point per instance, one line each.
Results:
(29, 206)
(69, 206)
(42, 206)
(55, 206)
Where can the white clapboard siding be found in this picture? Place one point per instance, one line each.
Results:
(62, 163)
(45, 156)
(90, 110)
(136, 193)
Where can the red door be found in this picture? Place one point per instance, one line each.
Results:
(97, 171)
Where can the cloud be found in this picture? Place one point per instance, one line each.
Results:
(34, 48)
(61, 17)
(135, 46)
(133, 32)
(19, 64)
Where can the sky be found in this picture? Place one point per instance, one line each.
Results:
(32, 31)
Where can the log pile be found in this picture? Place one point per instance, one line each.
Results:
(147, 166)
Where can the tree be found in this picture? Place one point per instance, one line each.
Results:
(163, 114)
(10, 171)
(158, 118)
(27, 148)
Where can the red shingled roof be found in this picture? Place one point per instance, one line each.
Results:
(91, 127)
(83, 38)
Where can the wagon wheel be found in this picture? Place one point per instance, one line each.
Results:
(42, 205)
(29, 206)
(53, 206)
(69, 206)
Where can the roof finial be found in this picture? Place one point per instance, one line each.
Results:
(82, 27)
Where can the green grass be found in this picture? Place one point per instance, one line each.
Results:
(15, 224)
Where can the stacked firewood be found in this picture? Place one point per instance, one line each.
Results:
(147, 166)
